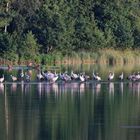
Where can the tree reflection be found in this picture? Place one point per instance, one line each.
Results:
(58, 111)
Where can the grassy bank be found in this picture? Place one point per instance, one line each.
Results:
(103, 57)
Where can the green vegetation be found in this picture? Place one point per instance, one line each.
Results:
(34, 30)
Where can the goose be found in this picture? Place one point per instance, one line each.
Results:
(13, 78)
(111, 76)
(2, 79)
(121, 76)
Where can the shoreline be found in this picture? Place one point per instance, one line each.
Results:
(101, 57)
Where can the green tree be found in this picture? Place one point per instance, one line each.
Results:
(30, 49)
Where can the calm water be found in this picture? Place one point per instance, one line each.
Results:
(70, 111)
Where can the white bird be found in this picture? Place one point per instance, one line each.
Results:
(13, 78)
(2, 79)
(74, 75)
(22, 74)
(40, 76)
(121, 76)
(27, 77)
(52, 80)
(86, 76)
(49, 75)
(111, 76)
(137, 76)
(96, 77)
(65, 77)
(82, 78)
(44, 74)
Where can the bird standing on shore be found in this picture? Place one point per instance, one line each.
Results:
(121, 76)
(111, 76)
(27, 77)
(74, 75)
(40, 76)
(2, 78)
(13, 78)
(82, 78)
(96, 77)
(22, 74)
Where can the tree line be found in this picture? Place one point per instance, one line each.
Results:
(29, 28)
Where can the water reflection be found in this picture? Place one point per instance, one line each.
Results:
(27, 88)
(1, 88)
(98, 88)
(136, 88)
(69, 110)
(40, 88)
(111, 88)
(14, 87)
(82, 88)
(121, 87)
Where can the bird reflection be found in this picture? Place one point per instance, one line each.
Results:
(82, 87)
(98, 88)
(27, 88)
(22, 86)
(39, 88)
(121, 87)
(47, 88)
(54, 87)
(74, 87)
(1, 88)
(136, 88)
(111, 88)
(13, 87)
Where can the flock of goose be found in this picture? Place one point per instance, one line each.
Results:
(82, 77)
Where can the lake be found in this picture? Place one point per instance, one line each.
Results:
(71, 111)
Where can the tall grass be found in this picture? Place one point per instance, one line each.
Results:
(104, 57)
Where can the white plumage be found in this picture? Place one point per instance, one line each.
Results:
(111, 76)
(2, 79)
(13, 78)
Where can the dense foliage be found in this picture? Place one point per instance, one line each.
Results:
(29, 28)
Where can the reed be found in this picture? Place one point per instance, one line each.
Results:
(104, 57)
